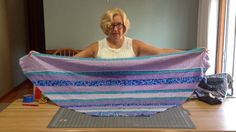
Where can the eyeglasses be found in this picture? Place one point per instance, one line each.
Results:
(117, 25)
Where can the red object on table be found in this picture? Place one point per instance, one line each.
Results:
(37, 93)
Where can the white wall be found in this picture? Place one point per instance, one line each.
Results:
(5, 70)
(13, 43)
(163, 23)
(18, 36)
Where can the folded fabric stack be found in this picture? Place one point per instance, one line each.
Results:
(139, 86)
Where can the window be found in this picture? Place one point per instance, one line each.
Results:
(229, 55)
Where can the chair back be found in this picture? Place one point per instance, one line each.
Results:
(66, 52)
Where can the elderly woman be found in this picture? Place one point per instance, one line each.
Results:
(115, 25)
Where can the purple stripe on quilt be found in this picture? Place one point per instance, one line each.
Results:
(151, 64)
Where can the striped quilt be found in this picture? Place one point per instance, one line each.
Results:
(140, 86)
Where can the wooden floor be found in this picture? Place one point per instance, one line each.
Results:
(19, 118)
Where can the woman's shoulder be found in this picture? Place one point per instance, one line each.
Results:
(137, 43)
(94, 43)
(93, 46)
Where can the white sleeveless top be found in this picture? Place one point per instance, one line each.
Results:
(106, 52)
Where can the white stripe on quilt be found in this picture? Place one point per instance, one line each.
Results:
(110, 96)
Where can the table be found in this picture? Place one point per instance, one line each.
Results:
(17, 117)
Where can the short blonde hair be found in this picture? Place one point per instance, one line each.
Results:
(107, 19)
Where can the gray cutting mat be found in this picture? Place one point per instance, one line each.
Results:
(3, 106)
(175, 117)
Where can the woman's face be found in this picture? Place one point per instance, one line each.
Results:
(116, 30)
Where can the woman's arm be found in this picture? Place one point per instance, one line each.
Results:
(89, 52)
(143, 49)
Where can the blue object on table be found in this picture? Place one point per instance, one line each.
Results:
(29, 98)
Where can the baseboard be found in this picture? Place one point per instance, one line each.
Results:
(14, 91)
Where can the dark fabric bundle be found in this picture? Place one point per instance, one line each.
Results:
(215, 88)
